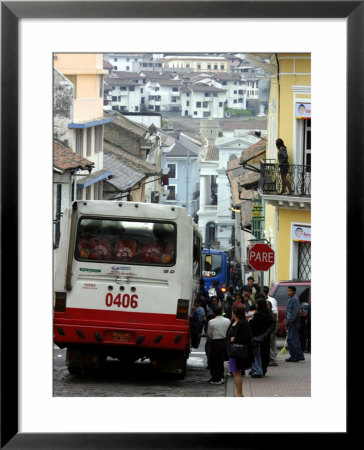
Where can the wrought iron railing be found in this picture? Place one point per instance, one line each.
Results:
(297, 181)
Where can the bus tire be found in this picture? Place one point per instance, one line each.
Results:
(75, 370)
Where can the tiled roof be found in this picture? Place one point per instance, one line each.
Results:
(136, 128)
(255, 150)
(163, 82)
(180, 150)
(125, 75)
(129, 160)
(65, 159)
(204, 88)
(124, 177)
(107, 65)
(212, 153)
(121, 82)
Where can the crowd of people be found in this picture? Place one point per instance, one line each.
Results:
(248, 316)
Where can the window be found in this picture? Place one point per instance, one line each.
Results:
(205, 104)
(171, 170)
(198, 104)
(198, 66)
(220, 104)
(79, 142)
(98, 138)
(215, 67)
(171, 190)
(222, 67)
(187, 103)
(175, 89)
(131, 88)
(307, 142)
(128, 241)
(214, 94)
(101, 86)
(207, 94)
(209, 66)
(89, 142)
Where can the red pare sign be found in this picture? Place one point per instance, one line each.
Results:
(260, 257)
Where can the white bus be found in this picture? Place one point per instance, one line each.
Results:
(127, 275)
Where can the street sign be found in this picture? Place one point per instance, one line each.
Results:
(260, 257)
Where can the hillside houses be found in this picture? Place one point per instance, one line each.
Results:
(194, 86)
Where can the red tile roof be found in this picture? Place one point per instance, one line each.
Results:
(65, 159)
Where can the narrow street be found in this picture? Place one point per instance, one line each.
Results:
(114, 380)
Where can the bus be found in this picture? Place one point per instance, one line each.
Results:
(127, 275)
(215, 268)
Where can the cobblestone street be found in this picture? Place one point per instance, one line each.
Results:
(284, 380)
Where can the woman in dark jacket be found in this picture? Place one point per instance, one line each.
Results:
(262, 325)
(283, 165)
(240, 333)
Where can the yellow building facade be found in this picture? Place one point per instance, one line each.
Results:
(288, 216)
(86, 73)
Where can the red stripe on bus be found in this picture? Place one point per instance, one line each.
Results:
(129, 319)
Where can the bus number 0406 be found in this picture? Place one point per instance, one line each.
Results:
(124, 301)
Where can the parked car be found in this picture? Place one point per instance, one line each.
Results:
(279, 292)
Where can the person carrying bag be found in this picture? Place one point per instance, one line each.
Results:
(239, 346)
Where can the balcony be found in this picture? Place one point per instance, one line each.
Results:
(298, 180)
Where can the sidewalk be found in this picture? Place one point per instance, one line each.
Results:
(285, 380)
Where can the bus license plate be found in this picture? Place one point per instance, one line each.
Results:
(120, 336)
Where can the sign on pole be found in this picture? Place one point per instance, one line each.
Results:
(260, 257)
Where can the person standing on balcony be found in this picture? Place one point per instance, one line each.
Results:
(283, 165)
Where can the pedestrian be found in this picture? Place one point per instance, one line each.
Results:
(308, 347)
(293, 326)
(229, 300)
(236, 276)
(215, 290)
(262, 325)
(209, 315)
(240, 332)
(304, 307)
(255, 290)
(283, 165)
(196, 323)
(216, 331)
(272, 305)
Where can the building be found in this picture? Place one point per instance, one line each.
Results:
(66, 164)
(79, 119)
(288, 215)
(180, 163)
(197, 63)
(142, 142)
(202, 101)
(216, 223)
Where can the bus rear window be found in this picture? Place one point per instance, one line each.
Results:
(125, 241)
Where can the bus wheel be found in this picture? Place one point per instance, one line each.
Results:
(75, 370)
(181, 375)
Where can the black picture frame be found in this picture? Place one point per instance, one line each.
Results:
(11, 12)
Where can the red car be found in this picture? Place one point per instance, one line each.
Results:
(279, 292)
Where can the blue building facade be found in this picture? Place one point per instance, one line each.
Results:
(181, 164)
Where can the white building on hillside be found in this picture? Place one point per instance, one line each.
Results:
(201, 101)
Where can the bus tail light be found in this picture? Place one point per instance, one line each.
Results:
(182, 309)
(60, 305)
(223, 289)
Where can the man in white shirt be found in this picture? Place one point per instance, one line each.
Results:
(273, 343)
(216, 331)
